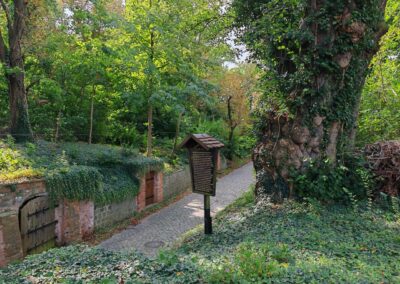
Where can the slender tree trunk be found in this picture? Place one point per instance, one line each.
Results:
(149, 131)
(151, 89)
(91, 115)
(232, 127)
(58, 124)
(177, 132)
(289, 142)
(12, 57)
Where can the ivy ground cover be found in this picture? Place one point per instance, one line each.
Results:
(293, 243)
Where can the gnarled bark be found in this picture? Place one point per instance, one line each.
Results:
(290, 143)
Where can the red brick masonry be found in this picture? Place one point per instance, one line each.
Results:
(75, 218)
(158, 191)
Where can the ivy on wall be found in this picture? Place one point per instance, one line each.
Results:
(77, 171)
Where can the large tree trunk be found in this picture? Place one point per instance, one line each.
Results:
(12, 57)
(288, 143)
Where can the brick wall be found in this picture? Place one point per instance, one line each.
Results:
(76, 219)
(107, 215)
(10, 238)
(13, 195)
(158, 191)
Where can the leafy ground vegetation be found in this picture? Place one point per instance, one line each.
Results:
(291, 243)
(76, 171)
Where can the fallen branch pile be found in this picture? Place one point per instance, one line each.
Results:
(384, 161)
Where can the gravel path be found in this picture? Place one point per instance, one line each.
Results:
(168, 224)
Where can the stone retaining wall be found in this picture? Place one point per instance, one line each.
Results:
(108, 215)
(177, 182)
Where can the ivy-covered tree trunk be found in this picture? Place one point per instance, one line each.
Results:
(316, 53)
(12, 58)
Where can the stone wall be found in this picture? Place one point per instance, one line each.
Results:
(107, 215)
(177, 182)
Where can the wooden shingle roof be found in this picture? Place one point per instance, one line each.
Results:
(204, 140)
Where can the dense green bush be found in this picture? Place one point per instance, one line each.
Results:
(244, 144)
(10, 158)
(345, 181)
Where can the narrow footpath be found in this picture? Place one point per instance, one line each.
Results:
(167, 225)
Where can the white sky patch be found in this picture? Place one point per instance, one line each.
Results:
(242, 54)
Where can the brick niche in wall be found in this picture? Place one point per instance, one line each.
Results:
(144, 190)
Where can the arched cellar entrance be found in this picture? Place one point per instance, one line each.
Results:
(37, 222)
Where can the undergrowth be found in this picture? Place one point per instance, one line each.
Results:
(252, 243)
(77, 171)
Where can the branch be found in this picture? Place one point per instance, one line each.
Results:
(33, 83)
(7, 12)
(19, 18)
(3, 49)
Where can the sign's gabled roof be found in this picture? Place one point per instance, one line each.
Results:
(204, 140)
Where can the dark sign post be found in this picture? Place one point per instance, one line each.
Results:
(203, 158)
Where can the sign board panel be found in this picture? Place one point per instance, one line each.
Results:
(203, 155)
(203, 171)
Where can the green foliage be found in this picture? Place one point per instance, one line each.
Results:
(299, 47)
(298, 243)
(293, 243)
(101, 52)
(78, 171)
(348, 181)
(13, 164)
(11, 159)
(74, 183)
(81, 264)
(252, 261)
(244, 140)
(244, 143)
(379, 115)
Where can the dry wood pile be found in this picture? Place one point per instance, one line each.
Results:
(384, 161)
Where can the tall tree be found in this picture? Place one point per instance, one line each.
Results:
(235, 87)
(379, 114)
(315, 54)
(12, 58)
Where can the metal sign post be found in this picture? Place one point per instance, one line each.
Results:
(203, 158)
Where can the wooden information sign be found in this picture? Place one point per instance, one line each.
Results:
(203, 157)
